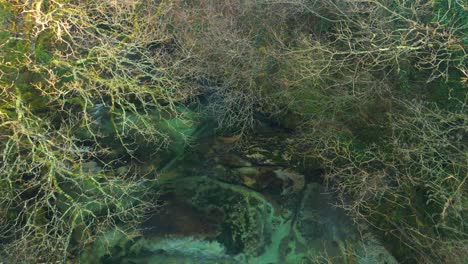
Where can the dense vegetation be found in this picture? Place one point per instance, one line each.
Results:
(373, 92)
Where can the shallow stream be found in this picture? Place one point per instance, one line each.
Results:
(224, 201)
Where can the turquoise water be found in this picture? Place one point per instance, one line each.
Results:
(222, 201)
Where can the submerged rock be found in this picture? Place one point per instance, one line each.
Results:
(179, 218)
(182, 249)
(322, 232)
(258, 178)
(296, 180)
(249, 218)
(232, 160)
(318, 227)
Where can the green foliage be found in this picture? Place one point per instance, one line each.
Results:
(374, 90)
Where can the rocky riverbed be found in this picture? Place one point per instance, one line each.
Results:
(228, 202)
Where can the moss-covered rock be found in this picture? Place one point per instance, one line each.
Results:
(249, 218)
